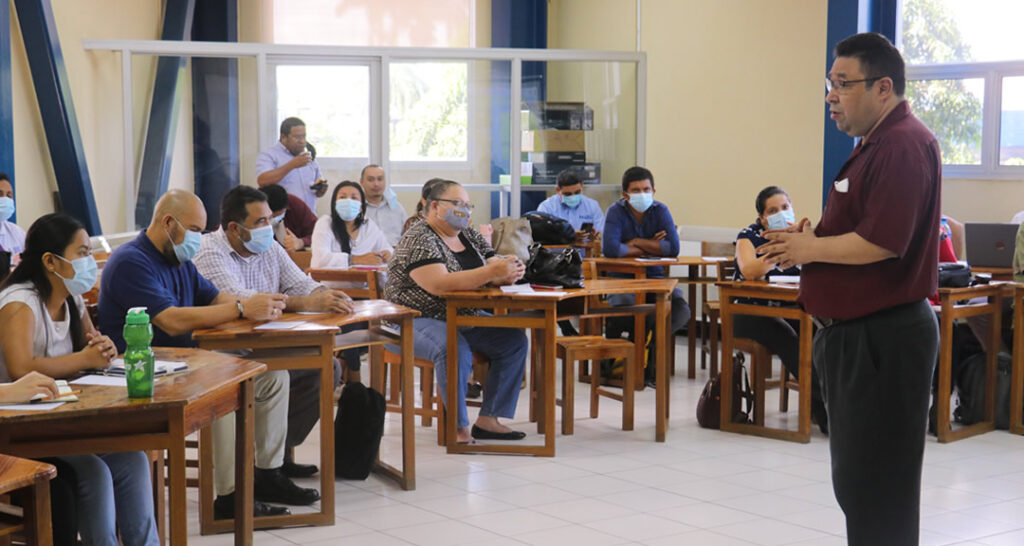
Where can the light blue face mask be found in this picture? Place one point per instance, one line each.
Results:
(277, 219)
(348, 209)
(391, 197)
(6, 208)
(572, 201)
(641, 201)
(260, 239)
(188, 248)
(457, 218)
(85, 275)
(781, 219)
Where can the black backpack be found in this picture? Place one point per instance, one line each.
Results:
(971, 391)
(358, 428)
(709, 405)
(550, 230)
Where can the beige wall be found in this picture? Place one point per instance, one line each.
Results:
(970, 200)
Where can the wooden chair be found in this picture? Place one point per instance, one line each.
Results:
(29, 482)
(302, 258)
(370, 281)
(710, 311)
(591, 350)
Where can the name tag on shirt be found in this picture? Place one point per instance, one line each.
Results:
(842, 186)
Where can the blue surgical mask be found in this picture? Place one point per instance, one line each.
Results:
(391, 197)
(348, 209)
(85, 275)
(260, 239)
(188, 248)
(6, 208)
(641, 201)
(457, 218)
(277, 219)
(572, 201)
(781, 219)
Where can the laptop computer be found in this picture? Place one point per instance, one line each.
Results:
(990, 245)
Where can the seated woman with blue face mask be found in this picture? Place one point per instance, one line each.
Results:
(774, 211)
(46, 329)
(442, 253)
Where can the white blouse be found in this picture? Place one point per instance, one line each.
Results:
(327, 253)
(49, 338)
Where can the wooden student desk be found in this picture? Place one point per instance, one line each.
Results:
(1017, 375)
(311, 346)
(728, 291)
(106, 420)
(638, 269)
(542, 312)
(949, 310)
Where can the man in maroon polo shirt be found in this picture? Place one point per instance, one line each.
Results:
(871, 264)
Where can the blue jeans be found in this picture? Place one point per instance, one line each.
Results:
(115, 494)
(506, 348)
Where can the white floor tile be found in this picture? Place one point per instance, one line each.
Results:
(1013, 538)
(639, 527)
(706, 515)
(570, 534)
(514, 522)
(583, 510)
(701, 537)
(769, 532)
(442, 533)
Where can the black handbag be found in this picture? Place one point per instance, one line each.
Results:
(954, 275)
(563, 269)
(550, 230)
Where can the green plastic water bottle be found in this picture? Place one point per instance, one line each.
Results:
(138, 356)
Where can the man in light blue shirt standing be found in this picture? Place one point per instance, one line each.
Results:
(569, 204)
(291, 165)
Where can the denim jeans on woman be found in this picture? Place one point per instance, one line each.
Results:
(506, 348)
(115, 495)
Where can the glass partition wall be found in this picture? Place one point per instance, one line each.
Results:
(503, 122)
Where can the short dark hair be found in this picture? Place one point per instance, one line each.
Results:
(277, 197)
(635, 173)
(567, 178)
(764, 195)
(362, 173)
(233, 206)
(878, 58)
(437, 189)
(288, 123)
(3, 176)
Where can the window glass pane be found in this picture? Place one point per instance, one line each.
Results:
(333, 100)
(949, 31)
(437, 23)
(952, 110)
(429, 113)
(1011, 124)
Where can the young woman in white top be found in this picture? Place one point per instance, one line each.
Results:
(346, 237)
(46, 329)
(12, 238)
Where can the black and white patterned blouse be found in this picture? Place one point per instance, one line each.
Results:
(421, 246)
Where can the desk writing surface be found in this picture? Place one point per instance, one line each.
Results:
(642, 264)
(362, 311)
(591, 287)
(766, 290)
(208, 371)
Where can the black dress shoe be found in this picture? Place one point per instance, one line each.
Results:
(224, 508)
(482, 434)
(474, 390)
(294, 470)
(271, 485)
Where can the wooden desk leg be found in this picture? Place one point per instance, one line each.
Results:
(206, 487)
(691, 328)
(327, 429)
(245, 461)
(725, 362)
(548, 381)
(1017, 374)
(408, 409)
(451, 393)
(945, 359)
(37, 511)
(806, 373)
(992, 360)
(176, 476)
(660, 369)
(540, 385)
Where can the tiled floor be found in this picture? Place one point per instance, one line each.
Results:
(701, 487)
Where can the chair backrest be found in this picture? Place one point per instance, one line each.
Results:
(302, 258)
(589, 270)
(368, 280)
(726, 270)
(709, 248)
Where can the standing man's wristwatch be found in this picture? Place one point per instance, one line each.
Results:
(241, 311)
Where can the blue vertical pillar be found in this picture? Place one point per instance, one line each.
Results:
(50, 79)
(163, 112)
(519, 24)
(6, 101)
(215, 148)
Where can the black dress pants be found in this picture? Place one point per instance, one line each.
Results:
(876, 376)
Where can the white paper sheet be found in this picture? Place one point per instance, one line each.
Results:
(160, 367)
(655, 259)
(786, 279)
(101, 380)
(39, 406)
(517, 289)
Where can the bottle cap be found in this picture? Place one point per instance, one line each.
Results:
(137, 315)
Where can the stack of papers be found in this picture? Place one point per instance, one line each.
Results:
(36, 404)
(64, 389)
(279, 325)
(785, 279)
(655, 259)
(525, 289)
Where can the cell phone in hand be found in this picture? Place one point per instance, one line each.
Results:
(320, 184)
(587, 226)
